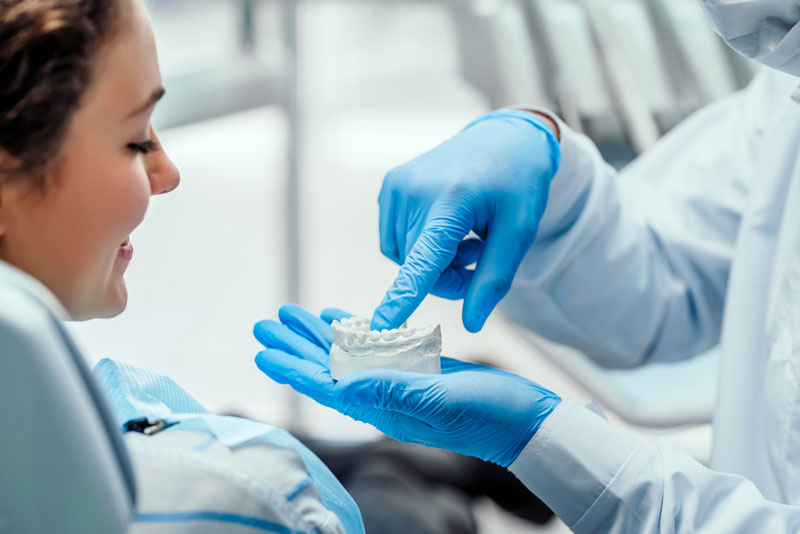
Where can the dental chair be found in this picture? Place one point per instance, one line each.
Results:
(496, 54)
(699, 57)
(63, 466)
(562, 30)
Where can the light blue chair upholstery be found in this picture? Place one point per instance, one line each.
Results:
(63, 466)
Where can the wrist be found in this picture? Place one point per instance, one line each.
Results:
(544, 405)
(550, 122)
(541, 406)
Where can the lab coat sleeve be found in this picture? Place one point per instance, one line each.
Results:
(632, 267)
(598, 478)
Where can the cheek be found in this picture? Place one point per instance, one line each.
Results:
(105, 205)
(118, 207)
(118, 202)
(128, 198)
(69, 236)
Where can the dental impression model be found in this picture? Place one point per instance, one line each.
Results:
(356, 347)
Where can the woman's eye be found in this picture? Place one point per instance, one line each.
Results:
(144, 147)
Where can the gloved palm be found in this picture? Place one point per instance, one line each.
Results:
(491, 179)
(471, 409)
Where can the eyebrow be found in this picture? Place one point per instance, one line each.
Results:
(157, 95)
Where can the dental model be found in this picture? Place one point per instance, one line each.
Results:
(356, 347)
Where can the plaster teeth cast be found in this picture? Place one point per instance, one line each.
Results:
(356, 347)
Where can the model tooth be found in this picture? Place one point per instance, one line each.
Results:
(362, 337)
(408, 332)
(390, 335)
(349, 338)
(360, 326)
(338, 338)
(374, 335)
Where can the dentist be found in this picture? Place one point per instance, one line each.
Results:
(698, 244)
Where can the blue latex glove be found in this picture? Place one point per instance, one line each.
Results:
(470, 409)
(492, 179)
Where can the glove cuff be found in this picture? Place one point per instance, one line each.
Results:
(532, 119)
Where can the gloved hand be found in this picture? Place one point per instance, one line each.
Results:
(492, 179)
(470, 409)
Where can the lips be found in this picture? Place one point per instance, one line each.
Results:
(126, 250)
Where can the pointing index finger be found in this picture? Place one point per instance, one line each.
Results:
(433, 251)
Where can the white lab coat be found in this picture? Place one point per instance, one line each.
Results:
(697, 242)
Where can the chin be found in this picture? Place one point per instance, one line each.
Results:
(105, 302)
(105, 312)
(118, 302)
(112, 312)
(115, 303)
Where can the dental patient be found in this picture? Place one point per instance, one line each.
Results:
(79, 161)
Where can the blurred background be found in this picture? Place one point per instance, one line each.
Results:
(283, 117)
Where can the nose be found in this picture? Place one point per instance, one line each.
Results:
(163, 174)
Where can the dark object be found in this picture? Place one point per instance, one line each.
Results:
(146, 426)
(404, 488)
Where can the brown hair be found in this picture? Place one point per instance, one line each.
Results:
(47, 48)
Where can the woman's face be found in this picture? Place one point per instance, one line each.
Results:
(73, 235)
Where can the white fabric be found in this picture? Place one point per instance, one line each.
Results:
(765, 30)
(698, 242)
(192, 483)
